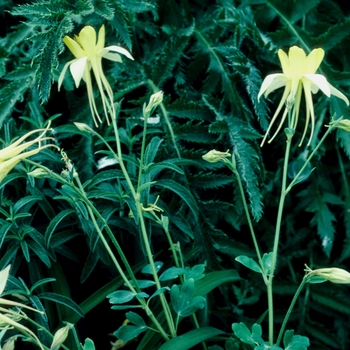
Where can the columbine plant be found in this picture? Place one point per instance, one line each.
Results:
(299, 73)
(89, 54)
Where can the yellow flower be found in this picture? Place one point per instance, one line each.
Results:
(215, 156)
(298, 74)
(88, 55)
(10, 156)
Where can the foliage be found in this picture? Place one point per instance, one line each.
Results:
(209, 59)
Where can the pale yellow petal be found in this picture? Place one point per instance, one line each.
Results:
(320, 81)
(337, 93)
(74, 47)
(270, 80)
(297, 59)
(101, 38)
(313, 61)
(284, 59)
(281, 104)
(87, 40)
(117, 49)
(63, 73)
(309, 112)
(4, 274)
(77, 69)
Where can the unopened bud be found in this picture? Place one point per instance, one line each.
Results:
(333, 274)
(214, 156)
(84, 127)
(10, 344)
(344, 124)
(154, 101)
(60, 336)
(38, 173)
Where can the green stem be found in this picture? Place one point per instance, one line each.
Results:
(286, 318)
(143, 146)
(93, 211)
(247, 214)
(277, 237)
(329, 130)
(167, 120)
(136, 197)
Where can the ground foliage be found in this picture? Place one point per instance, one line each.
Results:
(209, 58)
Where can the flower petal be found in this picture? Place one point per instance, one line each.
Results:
(337, 93)
(275, 80)
(77, 69)
(313, 61)
(74, 47)
(320, 81)
(284, 59)
(101, 38)
(63, 73)
(111, 56)
(117, 49)
(87, 40)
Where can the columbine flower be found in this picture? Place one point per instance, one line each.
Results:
(89, 55)
(298, 73)
(10, 156)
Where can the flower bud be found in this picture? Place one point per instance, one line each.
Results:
(84, 127)
(154, 101)
(214, 156)
(343, 125)
(333, 274)
(60, 336)
(38, 173)
(10, 344)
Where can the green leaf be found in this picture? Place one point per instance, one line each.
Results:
(120, 296)
(60, 299)
(171, 273)
(89, 344)
(55, 222)
(151, 150)
(190, 339)
(242, 332)
(135, 319)
(295, 342)
(183, 301)
(127, 332)
(249, 262)
(181, 191)
(214, 279)
(148, 269)
(196, 272)
(142, 283)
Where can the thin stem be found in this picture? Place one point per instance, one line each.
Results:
(92, 212)
(277, 237)
(136, 197)
(286, 318)
(246, 210)
(167, 120)
(143, 145)
(329, 130)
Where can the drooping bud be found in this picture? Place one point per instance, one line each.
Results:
(214, 156)
(333, 274)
